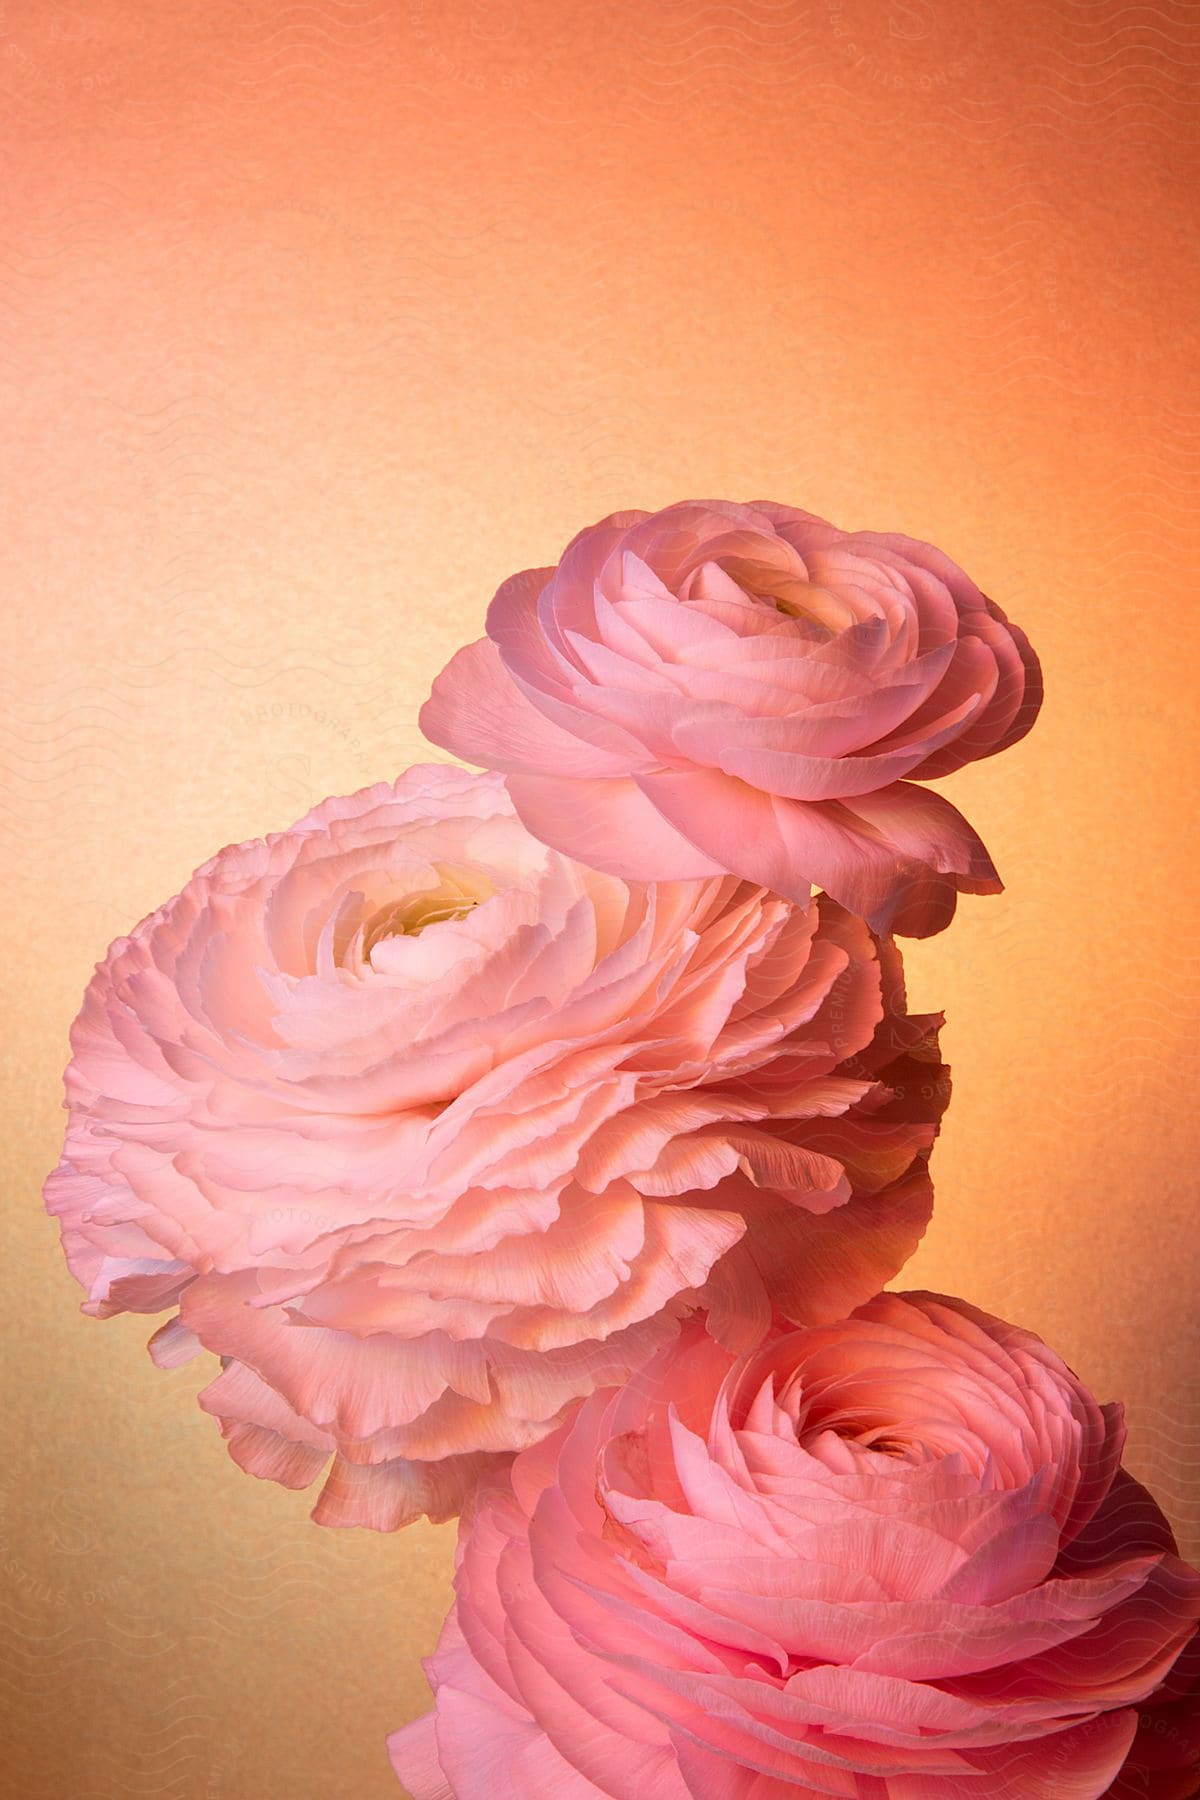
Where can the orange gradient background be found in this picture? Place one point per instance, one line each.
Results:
(317, 320)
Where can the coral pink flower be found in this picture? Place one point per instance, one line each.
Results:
(746, 688)
(892, 1558)
(428, 1131)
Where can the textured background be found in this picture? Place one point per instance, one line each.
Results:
(318, 319)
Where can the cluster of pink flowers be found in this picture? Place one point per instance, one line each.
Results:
(533, 1145)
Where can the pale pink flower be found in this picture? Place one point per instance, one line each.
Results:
(719, 687)
(892, 1558)
(428, 1131)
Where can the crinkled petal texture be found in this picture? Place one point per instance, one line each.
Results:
(746, 688)
(429, 1131)
(891, 1558)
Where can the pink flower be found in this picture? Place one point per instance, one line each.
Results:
(892, 1558)
(428, 1131)
(718, 688)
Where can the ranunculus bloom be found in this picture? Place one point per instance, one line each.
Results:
(893, 1558)
(429, 1131)
(746, 688)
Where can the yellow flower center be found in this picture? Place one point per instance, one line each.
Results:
(458, 892)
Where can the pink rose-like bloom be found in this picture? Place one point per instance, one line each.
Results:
(718, 688)
(892, 1558)
(428, 1131)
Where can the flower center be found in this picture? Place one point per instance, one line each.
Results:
(408, 918)
(823, 612)
(882, 1445)
(863, 1427)
(455, 895)
(783, 603)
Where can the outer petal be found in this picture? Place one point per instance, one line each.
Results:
(488, 1751)
(611, 825)
(414, 1754)
(815, 1267)
(477, 711)
(895, 858)
(388, 1495)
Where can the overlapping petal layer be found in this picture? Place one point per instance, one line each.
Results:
(892, 1558)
